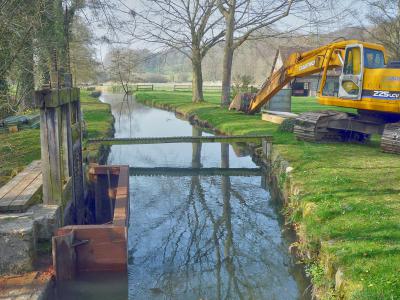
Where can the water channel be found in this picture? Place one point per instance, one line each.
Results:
(195, 236)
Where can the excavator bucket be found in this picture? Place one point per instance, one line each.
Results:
(241, 102)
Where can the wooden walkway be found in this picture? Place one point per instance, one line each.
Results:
(19, 193)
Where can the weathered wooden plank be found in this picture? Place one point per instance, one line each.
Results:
(24, 200)
(76, 158)
(64, 256)
(56, 97)
(33, 167)
(106, 249)
(95, 169)
(45, 155)
(103, 211)
(14, 193)
(121, 207)
(117, 191)
(66, 144)
(54, 152)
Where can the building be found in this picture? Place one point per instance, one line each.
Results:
(307, 86)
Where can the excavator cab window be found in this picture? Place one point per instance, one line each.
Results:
(350, 82)
(373, 59)
(352, 61)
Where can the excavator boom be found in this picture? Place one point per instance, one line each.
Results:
(367, 83)
(299, 65)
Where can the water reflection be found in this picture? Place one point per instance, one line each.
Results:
(198, 237)
(206, 238)
(93, 286)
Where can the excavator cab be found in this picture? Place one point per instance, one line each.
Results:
(366, 84)
(351, 79)
(358, 58)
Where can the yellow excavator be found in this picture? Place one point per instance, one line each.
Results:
(367, 83)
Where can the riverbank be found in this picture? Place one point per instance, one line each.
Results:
(343, 200)
(17, 150)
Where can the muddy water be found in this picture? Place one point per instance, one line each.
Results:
(196, 236)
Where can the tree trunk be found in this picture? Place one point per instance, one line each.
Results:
(228, 59)
(26, 77)
(196, 149)
(197, 77)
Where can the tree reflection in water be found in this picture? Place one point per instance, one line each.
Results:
(206, 238)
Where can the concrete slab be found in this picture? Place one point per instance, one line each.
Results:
(277, 117)
(30, 286)
(47, 219)
(17, 244)
(19, 234)
(284, 114)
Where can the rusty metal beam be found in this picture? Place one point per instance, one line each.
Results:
(183, 139)
(176, 172)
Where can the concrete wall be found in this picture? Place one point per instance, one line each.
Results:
(281, 101)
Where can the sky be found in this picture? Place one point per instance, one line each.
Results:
(327, 20)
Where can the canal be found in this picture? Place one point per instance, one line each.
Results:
(194, 236)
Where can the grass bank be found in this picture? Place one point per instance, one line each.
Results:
(347, 213)
(19, 149)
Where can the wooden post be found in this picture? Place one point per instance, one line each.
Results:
(61, 143)
(267, 148)
(51, 155)
(77, 160)
(64, 256)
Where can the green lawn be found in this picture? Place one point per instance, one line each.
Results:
(348, 211)
(19, 149)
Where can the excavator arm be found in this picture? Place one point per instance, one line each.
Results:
(366, 78)
(299, 65)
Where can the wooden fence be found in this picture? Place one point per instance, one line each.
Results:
(144, 87)
(188, 87)
(213, 88)
(182, 87)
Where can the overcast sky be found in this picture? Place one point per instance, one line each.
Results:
(292, 21)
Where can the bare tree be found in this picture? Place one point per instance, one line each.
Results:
(122, 63)
(192, 27)
(384, 16)
(84, 67)
(262, 19)
(242, 19)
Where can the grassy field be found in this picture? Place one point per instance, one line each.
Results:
(348, 211)
(19, 149)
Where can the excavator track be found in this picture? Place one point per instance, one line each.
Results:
(390, 141)
(312, 127)
(324, 126)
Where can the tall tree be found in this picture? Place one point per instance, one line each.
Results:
(384, 24)
(17, 21)
(192, 27)
(56, 18)
(29, 30)
(84, 66)
(242, 19)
